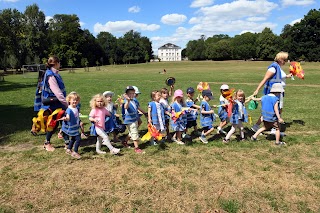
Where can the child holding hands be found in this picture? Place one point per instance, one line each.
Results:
(98, 116)
(165, 94)
(207, 116)
(270, 111)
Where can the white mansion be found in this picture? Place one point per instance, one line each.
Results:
(169, 52)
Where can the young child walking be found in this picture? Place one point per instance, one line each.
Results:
(192, 115)
(140, 110)
(165, 94)
(207, 116)
(98, 116)
(156, 114)
(71, 125)
(270, 111)
(222, 111)
(178, 125)
(239, 115)
(130, 117)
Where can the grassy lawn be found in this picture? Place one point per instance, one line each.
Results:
(237, 177)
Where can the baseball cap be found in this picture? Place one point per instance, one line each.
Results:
(136, 90)
(108, 93)
(178, 93)
(207, 93)
(190, 90)
(129, 88)
(224, 86)
(277, 87)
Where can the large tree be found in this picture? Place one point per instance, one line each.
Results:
(244, 46)
(268, 44)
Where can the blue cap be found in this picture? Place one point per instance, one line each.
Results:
(190, 90)
(129, 88)
(207, 93)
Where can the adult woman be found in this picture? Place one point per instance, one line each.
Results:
(273, 75)
(53, 89)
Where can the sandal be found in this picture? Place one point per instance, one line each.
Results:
(47, 146)
(68, 151)
(281, 143)
(75, 155)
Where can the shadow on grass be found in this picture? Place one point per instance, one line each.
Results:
(14, 118)
(12, 86)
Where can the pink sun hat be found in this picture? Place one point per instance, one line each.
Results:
(178, 93)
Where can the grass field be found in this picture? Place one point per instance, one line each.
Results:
(237, 177)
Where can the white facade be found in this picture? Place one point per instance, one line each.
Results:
(169, 52)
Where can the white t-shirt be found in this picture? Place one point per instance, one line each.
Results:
(75, 112)
(283, 75)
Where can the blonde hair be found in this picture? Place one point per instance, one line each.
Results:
(93, 103)
(153, 94)
(181, 102)
(164, 90)
(72, 95)
(240, 92)
(281, 56)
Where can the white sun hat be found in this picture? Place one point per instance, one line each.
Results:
(137, 91)
(277, 87)
(224, 86)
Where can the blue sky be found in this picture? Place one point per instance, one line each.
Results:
(175, 21)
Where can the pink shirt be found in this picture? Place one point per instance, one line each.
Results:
(99, 114)
(56, 89)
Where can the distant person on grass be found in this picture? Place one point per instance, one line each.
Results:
(71, 125)
(53, 87)
(273, 75)
(270, 112)
(98, 116)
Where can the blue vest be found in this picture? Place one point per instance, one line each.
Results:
(222, 111)
(72, 126)
(234, 118)
(267, 107)
(111, 122)
(166, 109)
(47, 92)
(275, 79)
(182, 120)
(37, 100)
(154, 114)
(129, 115)
(206, 119)
(191, 115)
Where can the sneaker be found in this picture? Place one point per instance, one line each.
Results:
(180, 142)
(225, 140)
(186, 136)
(114, 151)
(273, 132)
(139, 151)
(281, 143)
(75, 155)
(66, 146)
(48, 147)
(255, 128)
(203, 139)
(221, 131)
(68, 151)
(100, 152)
(253, 139)
(174, 139)
(60, 136)
(84, 136)
(153, 143)
(125, 144)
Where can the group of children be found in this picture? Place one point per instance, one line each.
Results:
(180, 114)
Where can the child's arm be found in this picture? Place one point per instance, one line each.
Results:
(149, 115)
(203, 111)
(256, 99)
(276, 110)
(171, 90)
(126, 105)
(196, 106)
(65, 118)
(141, 110)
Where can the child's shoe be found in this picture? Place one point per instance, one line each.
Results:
(68, 151)
(253, 138)
(174, 139)
(125, 144)
(138, 151)
(281, 143)
(100, 152)
(180, 142)
(153, 143)
(255, 128)
(114, 151)
(75, 155)
(60, 136)
(66, 145)
(47, 146)
(186, 136)
(98, 148)
(225, 140)
(203, 139)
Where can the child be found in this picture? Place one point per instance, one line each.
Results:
(113, 124)
(137, 93)
(130, 116)
(270, 111)
(239, 115)
(192, 115)
(222, 111)
(98, 115)
(156, 114)
(164, 102)
(207, 116)
(71, 125)
(179, 125)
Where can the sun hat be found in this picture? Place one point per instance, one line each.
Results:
(136, 90)
(207, 93)
(108, 93)
(170, 81)
(277, 87)
(190, 90)
(129, 88)
(224, 86)
(178, 93)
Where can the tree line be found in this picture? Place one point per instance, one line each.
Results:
(302, 41)
(26, 38)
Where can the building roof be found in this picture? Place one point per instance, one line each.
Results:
(169, 46)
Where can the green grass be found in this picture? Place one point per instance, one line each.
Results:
(237, 177)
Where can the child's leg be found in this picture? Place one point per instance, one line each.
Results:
(258, 132)
(232, 130)
(105, 138)
(277, 136)
(240, 126)
(66, 140)
(115, 137)
(178, 135)
(77, 143)
(71, 141)
(167, 129)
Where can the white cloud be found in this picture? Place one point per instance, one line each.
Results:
(286, 3)
(173, 19)
(47, 19)
(256, 18)
(124, 26)
(9, 0)
(295, 21)
(134, 9)
(82, 23)
(201, 3)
